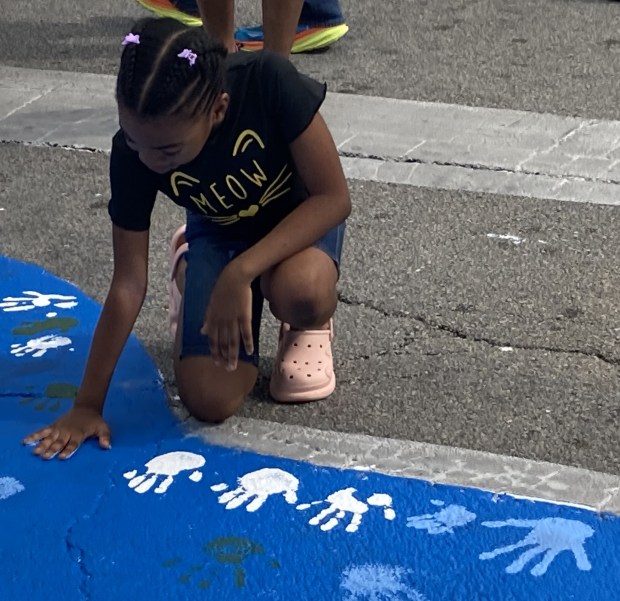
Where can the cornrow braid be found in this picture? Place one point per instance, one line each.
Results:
(153, 81)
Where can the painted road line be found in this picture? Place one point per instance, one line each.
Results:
(168, 516)
(380, 139)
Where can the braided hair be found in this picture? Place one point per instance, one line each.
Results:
(153, 81)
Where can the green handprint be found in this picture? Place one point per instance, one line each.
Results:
(55, 393)
(30, 328)
(226, 551)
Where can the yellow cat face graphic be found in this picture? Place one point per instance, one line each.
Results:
(217, 199)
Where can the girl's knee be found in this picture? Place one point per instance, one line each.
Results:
(306, 298)
(210, 393)
(306, 305)
(209, 407)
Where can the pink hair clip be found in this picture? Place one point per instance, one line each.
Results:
(131, 38)
(190, 55)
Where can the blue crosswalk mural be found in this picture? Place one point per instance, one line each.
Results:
(165, 516)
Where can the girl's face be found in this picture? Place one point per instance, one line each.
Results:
(165, 143)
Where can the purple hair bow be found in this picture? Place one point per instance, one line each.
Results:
(190, 55)
(131, 38)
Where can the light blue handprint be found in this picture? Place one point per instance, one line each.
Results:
(9, 487)
(550, 536)
(375, 582)
(443, 521)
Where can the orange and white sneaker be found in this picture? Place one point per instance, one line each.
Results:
(307, 38)
(165, 8)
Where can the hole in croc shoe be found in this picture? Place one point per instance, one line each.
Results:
(309, 346)
(290, 377)
(309, 375)
(294, 361)
(294, 344)
(320, 345)
(306, 363)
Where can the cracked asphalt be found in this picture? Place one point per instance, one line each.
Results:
(444, 334)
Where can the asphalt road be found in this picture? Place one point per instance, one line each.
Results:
(557, 56)
(444, 335)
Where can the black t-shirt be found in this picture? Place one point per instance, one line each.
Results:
(244, 180)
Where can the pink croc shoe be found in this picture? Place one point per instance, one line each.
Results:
(178, 247)
(304, 366)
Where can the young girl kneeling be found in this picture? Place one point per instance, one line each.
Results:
(238, 141)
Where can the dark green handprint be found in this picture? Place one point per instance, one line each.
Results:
(55, 393)
(51, 324)
(226, 551)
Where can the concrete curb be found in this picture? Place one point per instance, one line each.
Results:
(435, 463)
(385, 140)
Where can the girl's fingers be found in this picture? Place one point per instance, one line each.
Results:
(71, 447)
(233, 348)
(58, 445)
(36, 437)
(214, 343)
(104, 435)
(245, 328)
(46, 442)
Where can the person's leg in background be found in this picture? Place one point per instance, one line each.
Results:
(320, 24)
(280, 19)
(218, 18)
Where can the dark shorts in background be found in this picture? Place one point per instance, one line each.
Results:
(206, 259)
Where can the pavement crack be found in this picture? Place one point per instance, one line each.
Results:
(518, 170)
(463, 335)
(76, 553)
(41, 144)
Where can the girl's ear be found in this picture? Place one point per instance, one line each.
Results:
(218, 112)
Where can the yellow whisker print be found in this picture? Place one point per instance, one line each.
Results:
(274, 187)
(225, 220)
(275, 195)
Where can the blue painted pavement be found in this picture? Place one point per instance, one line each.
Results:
(163, 516)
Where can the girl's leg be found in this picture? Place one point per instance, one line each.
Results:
(210, 393)
(302, 290)
(302, 295)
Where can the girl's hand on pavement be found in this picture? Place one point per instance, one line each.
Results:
(67, 433)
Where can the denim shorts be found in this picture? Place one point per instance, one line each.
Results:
(206, 258)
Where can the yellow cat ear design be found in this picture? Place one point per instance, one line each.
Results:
(245, 139)
(178, 178)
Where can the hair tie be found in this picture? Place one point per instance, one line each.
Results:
(190, 55)
(131, 38)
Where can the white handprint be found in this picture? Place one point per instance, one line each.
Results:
(36, 299)
(255, 487)
(550, 536)
(341, 503)
(37, 347)
(443, 521)
(375, 582)
(168, 465)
